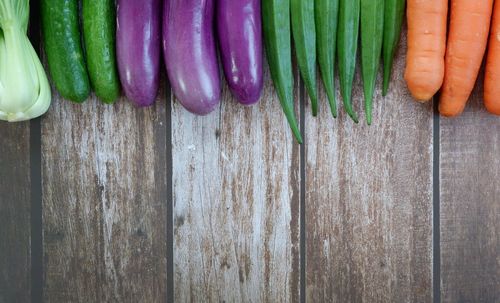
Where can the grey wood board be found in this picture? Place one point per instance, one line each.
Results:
(470, 208)
(104, 202)
(369, 199)
(15, 207)
(236, 204)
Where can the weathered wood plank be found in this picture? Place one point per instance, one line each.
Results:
(15, 201)
(470, 208)
(369, 200)
(104, 202)
(236, 204)
(15, 206)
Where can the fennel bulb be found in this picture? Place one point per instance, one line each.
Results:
(24, 88)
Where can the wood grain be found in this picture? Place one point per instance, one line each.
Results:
(369, 200)
(104, 202)
(236, 204)
(470, 210)
(15, 190)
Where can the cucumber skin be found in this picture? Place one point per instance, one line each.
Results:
(99, 28)
(63, 48)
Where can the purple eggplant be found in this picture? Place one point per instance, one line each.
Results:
(138, 39)
(190, 54)
(240, 39)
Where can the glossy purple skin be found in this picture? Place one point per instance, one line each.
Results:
(190, 54)
(138, 48)
(240, 39)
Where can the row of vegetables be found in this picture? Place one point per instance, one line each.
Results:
(448, 58)
(188, 33)
(123, 41)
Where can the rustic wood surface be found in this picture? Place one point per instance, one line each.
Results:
(236, 204)
(104, 202)
(470, 208)
(15, 206)
(369, 200)
(156, 205)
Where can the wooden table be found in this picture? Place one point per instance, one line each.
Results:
(115, 204)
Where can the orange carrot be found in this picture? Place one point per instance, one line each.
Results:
(492, 75)
(469, 28)
(426, 47)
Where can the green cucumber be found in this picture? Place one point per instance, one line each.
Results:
(63, 48)
(372, 30)
(99, 26)
(277, 40)
(393, 21)
(304, 36)
(347, 47)
(326, 14)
